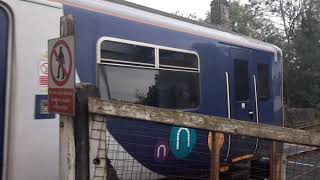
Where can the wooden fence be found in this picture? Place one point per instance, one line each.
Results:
(88, 106)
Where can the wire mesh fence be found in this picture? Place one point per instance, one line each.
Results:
(128, 149)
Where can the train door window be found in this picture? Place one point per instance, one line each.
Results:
(241, 77)
(178, 59)
(149, 81)
(263, 81)
(124, 53)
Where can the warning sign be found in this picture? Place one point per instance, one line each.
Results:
(61, 75)
(43, 76)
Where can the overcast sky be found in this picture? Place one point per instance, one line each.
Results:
(198, 7)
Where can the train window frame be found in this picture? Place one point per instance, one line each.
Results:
(102, 61)
(129, 62)
(157, 48)
(176, 66)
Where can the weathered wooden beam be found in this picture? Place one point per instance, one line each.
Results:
(204, 122)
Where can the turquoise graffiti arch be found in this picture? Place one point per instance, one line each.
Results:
(182, 141)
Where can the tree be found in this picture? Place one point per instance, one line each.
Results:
(250, 22)
(305, 69)
(191, 16)
(246, 20)
(289, 13)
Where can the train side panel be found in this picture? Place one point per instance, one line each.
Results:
(216, 58)
(32, 145)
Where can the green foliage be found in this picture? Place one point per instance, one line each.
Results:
(294, 26)
(191, 16)
(305, 68)
(246, 20)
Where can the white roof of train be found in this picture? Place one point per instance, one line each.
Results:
(150, 16)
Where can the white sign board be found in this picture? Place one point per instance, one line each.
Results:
(61, 75)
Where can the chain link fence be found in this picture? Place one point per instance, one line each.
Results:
(127, 149)
(109, 140)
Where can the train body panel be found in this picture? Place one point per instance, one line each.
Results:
(253, 76)
(211, 82)
(31, 149)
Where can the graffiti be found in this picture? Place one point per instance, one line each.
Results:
(182, 141)
(178, 137)
(161, 151)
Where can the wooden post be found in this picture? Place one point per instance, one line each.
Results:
(66, 149)
(273, 160)
(277, 163)
(281, 169)
(81, 130)
(216, 143)
(67, 154)
(74, 137)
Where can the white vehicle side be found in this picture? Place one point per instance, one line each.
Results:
(31, 147)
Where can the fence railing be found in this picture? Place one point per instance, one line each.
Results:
(204, 122)
(283, 153)
(216, 125)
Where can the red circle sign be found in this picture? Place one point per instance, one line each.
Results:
(54, 54)
(44, 68)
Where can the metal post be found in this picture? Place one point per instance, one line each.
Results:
(217, 142)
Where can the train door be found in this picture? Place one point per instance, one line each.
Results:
(3, 65)
(261, 66)
(263, 104)
(239, 76)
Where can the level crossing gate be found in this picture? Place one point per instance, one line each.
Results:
(88, 151)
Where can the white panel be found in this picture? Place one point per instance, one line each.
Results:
(33, 144)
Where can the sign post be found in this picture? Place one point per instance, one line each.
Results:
(61, 76)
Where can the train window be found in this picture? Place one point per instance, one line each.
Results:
(241, 76)
(176, 59)
(133, 73)
(123, 53)
(152, 87)
(263, 82)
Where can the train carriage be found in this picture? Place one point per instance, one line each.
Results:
(135, 54)
(139, 55)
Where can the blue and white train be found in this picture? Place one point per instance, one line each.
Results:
(140, 55)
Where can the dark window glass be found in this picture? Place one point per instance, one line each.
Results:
(241, 76)
(173, 58)
(158, 88)
(128, 53)
(263, 82)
